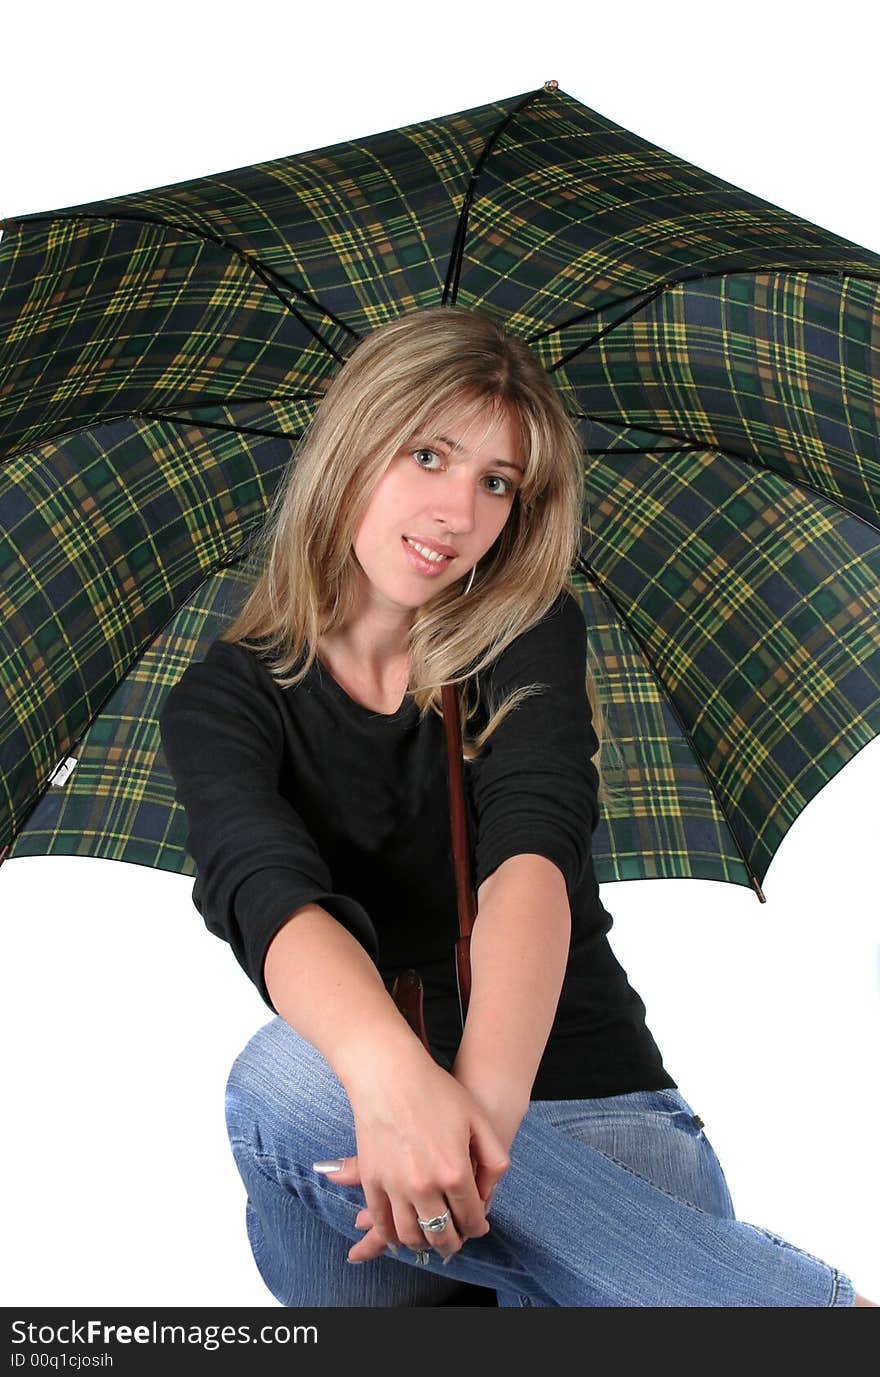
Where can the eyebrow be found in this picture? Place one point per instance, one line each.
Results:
(504, 463)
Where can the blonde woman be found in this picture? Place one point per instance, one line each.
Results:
(425, 535)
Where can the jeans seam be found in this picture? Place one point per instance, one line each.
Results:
(324, 1185)
(653, 1184)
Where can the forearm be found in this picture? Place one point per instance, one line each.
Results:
(519, 951)
(323, 983)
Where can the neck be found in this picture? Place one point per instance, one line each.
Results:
(375, 643)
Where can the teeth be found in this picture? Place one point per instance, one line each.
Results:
(425, 552)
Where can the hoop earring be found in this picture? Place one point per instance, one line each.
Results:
(470, 580)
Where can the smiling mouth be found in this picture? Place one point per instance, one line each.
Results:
(434, 558)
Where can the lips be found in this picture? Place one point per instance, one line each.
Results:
(430, 545)
(427, 568)
(434, 545)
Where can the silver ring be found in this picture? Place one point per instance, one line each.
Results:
(423, 1256)
(435, 1225)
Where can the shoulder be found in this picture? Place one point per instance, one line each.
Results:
(563, 620)
(223, 709)
(222, 665)
(230, 679)
(557, 639)
(566, 611)
(566, 616)
(225, 662)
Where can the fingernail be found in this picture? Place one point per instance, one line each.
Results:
(447, 1260)
(355, 1261)
(333, 1164)
(394, 1249)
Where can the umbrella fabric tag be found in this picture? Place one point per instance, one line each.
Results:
(63, 772)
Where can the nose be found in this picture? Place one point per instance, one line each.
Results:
(456, 502)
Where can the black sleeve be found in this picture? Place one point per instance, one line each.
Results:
(535, 786)
(255, 860)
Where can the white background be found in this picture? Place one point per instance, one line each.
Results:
(121, 1014)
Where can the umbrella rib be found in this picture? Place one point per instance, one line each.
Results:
(640, 305)
(164, 416)
(688, 442)
(248, 257)
(255, 401)
(647, 295)
(646, 449)
(216, 425)
(589, 572)
(453, 273)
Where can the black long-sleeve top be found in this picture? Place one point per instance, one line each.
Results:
(303, 795)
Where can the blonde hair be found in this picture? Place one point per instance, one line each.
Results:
(395, 380)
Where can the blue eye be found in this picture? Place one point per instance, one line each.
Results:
(426, 451)
(508, 486)
(503, 492)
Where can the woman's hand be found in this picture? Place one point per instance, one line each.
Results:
(423, 1140)
(505, 1114)
(505, 1109)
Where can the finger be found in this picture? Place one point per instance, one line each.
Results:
(491, 1160)
(370, 1246)
(364, 1220)
(382, 1216)
(445, 1241)
(487, 1183)
(468, 1213)
(467, 1201)
(487, 1200)
(346, 1174)
(487, 1150)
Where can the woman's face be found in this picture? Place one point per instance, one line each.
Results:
(452, 485)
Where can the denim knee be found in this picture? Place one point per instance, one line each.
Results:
(249, 1088)
(280, 1083)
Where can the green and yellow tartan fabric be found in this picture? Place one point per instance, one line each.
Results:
(160, 354)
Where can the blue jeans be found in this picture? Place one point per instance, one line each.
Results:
(615, 1201)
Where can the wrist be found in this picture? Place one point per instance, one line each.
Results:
(493, 1091)
(504, 1112)
(477, 1067)
(366, 1065)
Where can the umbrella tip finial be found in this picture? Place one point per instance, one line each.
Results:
(551, 85)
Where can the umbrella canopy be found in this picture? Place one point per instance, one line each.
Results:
(162, 352)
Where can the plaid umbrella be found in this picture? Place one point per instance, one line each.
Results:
(162, 352)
